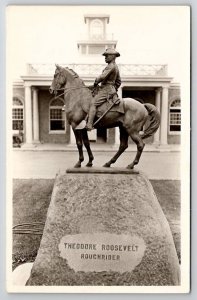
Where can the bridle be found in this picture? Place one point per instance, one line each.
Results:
(67, 90)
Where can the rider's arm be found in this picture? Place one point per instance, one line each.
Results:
(108, 70)
(118, 81)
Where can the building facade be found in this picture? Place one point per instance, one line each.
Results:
(40, 119)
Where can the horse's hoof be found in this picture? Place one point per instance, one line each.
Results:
(106, 165)
(77, 166)
(130, 167)
(89, 165)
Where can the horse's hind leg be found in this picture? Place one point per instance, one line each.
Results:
(78, 137)
(140, 146)
(123, 146)
(87, 145)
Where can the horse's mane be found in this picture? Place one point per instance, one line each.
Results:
(74, 74)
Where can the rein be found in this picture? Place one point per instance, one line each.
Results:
(71, 88)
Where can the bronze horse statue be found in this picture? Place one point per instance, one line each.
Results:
(77, 99)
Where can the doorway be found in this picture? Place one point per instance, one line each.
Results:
(141, 94)
(101, 135)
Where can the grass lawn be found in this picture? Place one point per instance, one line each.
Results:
(31, 198)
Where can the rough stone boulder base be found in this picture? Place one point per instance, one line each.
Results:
(110, 214)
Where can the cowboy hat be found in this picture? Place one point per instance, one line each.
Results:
(111, 51)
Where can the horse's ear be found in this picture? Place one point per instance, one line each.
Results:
(57, 66)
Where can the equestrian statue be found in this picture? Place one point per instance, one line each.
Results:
(103, 108)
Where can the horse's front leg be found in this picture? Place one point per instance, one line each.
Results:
(79, 142)
(87, 145)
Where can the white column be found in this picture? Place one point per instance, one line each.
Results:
(117, 133)
(72, 136)
(164, 116)
(158, 106)
(28, 114)
(35, 115)
(88, 27)
(104, 30)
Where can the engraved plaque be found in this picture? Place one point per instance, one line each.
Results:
(102, 252)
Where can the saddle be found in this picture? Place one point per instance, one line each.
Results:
(117, 107)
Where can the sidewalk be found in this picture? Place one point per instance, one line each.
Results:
(97, 147)
(45, 161)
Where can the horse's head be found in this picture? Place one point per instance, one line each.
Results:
(59, 80)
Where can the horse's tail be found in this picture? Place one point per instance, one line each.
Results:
(154, 120)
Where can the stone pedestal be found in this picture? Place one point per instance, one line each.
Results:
(105, 229)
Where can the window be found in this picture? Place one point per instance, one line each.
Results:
(56, 116)
(94, 49)
(96, 32)
(17, 114)
(83, 49)
(175, 116)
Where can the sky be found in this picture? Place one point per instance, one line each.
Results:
(145, 35)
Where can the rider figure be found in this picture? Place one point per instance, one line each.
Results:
(110, 82)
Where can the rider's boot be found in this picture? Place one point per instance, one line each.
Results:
(92, 113)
